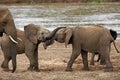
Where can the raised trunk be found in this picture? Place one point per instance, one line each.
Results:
(53, 33)
(50, 39)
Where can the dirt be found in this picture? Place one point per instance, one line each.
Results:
(53, 62)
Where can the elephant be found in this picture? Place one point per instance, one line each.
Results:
(7, 26)
(84, 39)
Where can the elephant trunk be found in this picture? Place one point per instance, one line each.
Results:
(53, 33)
(50, 39)
(14, 63)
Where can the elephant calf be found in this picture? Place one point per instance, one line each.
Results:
(30, 40)
(33, 37)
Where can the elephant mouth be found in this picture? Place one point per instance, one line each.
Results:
(1, 32)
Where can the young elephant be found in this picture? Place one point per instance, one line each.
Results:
(38, 34)
(94, 39)
(33, 37)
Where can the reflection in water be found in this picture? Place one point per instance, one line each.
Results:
(52, 15)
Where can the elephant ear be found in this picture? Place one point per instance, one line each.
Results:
(31, 33)
(68, 33)
(3, 13)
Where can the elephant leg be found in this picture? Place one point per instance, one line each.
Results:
(92, 59)
(85, 59)
(29, 51)
(105, 53)
(31, 59)
(5, 63)
(36, 68)
(75, 54)
(102, 61)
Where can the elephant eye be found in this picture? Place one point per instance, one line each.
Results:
(4, 23)
(42, 33)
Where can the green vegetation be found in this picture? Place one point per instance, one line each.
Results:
(55, 1)
(101, 1)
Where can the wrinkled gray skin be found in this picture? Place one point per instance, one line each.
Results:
(33, 37)
(7, 26)
(93, 39)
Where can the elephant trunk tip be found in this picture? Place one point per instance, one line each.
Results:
(13, 70)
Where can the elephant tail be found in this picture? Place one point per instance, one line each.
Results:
(116, 47)
(113, 33)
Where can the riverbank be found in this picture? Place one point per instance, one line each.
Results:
(53, 1)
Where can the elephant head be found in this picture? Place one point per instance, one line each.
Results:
(7, 26)
(35, 34)
(60, 34)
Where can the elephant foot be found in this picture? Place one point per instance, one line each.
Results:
(68, 69)
(85, 69)
(110, 69)
(4, 67)
(30, 69)
(92, 63)
(34, 69)
(102, 63)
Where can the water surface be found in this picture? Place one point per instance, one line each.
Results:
(55, 15)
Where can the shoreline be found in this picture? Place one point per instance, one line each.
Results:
(74, 3)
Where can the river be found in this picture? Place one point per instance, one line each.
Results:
(51, 16)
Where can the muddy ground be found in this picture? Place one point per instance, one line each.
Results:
(53, 61)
